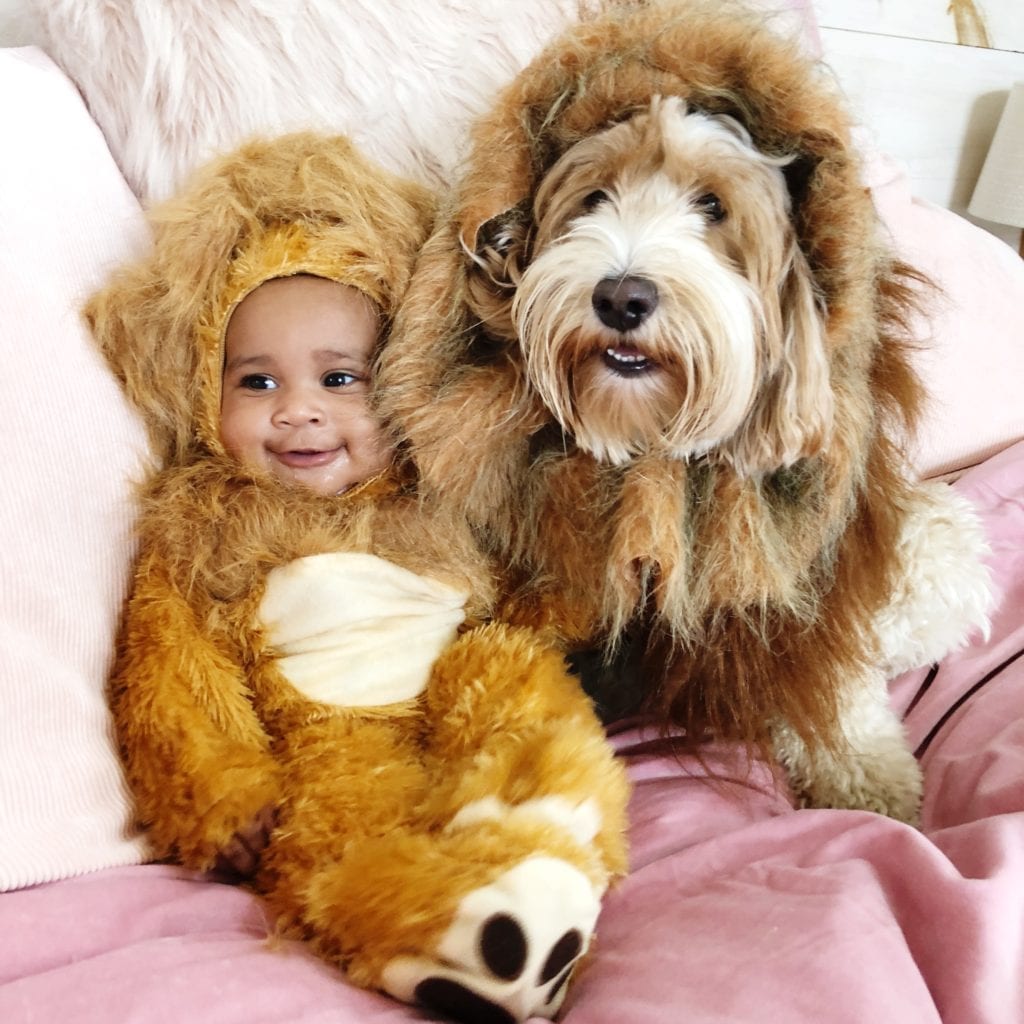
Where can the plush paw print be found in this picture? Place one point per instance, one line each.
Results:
(509, 950)
(240, 858)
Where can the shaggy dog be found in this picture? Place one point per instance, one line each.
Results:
(657, 353)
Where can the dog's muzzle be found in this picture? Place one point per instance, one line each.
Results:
(623, 304)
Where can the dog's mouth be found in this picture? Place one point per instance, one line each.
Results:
(627, 361)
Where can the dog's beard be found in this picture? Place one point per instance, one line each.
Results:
(684, 379)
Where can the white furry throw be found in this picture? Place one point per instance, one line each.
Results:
(172, 82)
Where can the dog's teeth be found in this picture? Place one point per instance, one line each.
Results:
(626, 361)
(624, 357)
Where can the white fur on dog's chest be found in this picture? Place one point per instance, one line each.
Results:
(355, 630)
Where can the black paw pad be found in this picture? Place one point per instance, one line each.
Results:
(558, 985)
(456, 1001)
(503, 946)
(563, 952)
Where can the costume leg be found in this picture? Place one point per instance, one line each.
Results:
(396, 860)
(526, 784)
(512, 733)
(195, 751)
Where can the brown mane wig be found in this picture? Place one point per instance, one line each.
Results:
(753, 591)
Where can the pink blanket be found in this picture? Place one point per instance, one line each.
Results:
(737, 908)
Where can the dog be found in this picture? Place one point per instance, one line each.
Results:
(671, 386)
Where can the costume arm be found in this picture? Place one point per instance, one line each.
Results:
(196, 754)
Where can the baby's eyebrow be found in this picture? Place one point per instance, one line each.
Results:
(336, 355)
(239, 362)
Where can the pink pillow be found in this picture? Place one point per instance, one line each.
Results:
(71, 447)
(972, 358)
(403, 78)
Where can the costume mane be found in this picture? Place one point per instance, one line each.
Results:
(728, 572)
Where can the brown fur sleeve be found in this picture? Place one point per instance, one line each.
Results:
(196, 755)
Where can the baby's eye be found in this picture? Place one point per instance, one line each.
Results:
(257, 382)
(339, 379)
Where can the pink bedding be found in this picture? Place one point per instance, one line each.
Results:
(737, 909)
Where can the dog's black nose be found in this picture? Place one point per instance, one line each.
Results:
(623, 303)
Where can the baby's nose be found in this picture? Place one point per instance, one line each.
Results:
(299, 407)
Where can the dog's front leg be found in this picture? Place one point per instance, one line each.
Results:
(868, 766)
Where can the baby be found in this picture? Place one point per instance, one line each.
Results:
(304, 694)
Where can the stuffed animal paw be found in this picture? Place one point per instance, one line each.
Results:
(240, 859)
(510, 949)
(230, 835)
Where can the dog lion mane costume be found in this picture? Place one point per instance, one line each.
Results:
(448, 812)
(761, 568)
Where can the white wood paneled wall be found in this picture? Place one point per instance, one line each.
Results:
(921, 95)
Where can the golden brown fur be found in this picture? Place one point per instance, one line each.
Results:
(753, 571)
(390, 813)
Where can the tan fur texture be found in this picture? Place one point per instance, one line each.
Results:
(389, 817)
(751, 571)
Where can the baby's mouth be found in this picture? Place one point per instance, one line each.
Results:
(304, 458)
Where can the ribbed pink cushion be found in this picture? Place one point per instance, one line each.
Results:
(70, 448)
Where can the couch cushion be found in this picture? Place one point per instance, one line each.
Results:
(71, 449)
(972, 333)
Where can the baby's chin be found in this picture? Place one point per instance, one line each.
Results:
(325, 484)
(328, 481)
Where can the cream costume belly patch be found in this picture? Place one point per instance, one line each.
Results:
(354, 630)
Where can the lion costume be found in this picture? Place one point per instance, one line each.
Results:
(657, 352)
(447, 813)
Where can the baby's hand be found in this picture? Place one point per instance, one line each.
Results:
(239, 860)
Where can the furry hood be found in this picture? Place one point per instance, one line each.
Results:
(301, 203)
(455, 385)
(722, 58)
(453, 378)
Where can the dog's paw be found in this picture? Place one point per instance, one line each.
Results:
(510, 949)
(886, 779)
(868, 767)
(892, 788)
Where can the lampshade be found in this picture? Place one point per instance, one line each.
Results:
(999, 194)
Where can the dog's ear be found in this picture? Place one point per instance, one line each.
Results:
(793, 413)
(496, 247)
(497, 252)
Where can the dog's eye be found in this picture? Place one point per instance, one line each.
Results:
(711, 206)
(595, 198)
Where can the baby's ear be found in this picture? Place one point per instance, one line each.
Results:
(497, 252)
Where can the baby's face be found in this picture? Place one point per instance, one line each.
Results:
(296, 382)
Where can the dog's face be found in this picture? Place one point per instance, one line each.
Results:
(666, 306)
